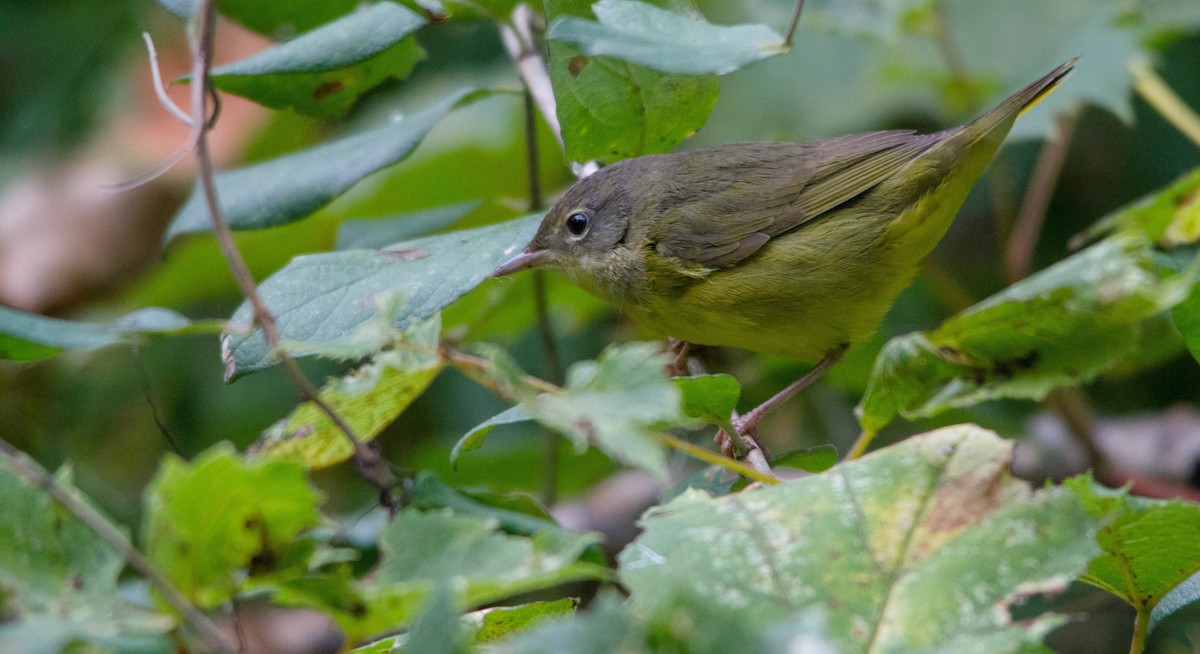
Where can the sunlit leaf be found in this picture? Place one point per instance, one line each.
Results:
(288, 188)
(217, 524)
(320, 301)
(890, 549)
(711, 398)
(1062, 326)
(368, 399)
(646, 35)
(324, 71)
(505, 621)
(28, 337)
(1169, 216)
(59, 579)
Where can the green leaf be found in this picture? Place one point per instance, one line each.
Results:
(711, 398)
(611, 110)
(28, 337)
(516, 514)
(481, 564)
(619, 403)
(1064, 325)
(886, 20)
(368, 399)
(505, 621)
(606, 627)
(922, 546)
(473, 439)
(220, 524)
(377, 233)
(644, 34)
(321, 301)
(323, 72)
(1186, 316)
(1169, 216)
(1149, 548)
(276, 19)
(288, 188)
(59, 580)
(438, 629)
(812, 459)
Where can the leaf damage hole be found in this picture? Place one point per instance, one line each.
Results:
(326, 89)
(576, 65)
(403, 255)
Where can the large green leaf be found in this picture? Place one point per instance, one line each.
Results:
(368, 399)
(322, 302)
(1148, 549)
(1169, 216)
(28, 337)
(382, 232)
(59, 580)
(220, 524)
(922, 546)
(274, 19)
(646, 35)
(1062, 326)
(288, 188)
(323, 72)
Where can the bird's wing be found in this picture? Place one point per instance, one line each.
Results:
(732, 199)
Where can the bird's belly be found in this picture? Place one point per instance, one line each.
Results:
(800, 297)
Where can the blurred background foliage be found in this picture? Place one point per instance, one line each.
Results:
(75, 76)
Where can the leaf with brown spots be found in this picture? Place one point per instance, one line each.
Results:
(921, 546)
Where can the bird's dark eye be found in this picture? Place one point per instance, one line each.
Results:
(577, 223)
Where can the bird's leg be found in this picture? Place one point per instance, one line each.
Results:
(746, 424)
(679, 351)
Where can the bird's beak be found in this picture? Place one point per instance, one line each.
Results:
(528, 259)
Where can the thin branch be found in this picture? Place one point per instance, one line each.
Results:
(159, 90)
(1155, 91)
(1018, 258)
(36, 476)
(951, 54)
(718, 459)
(787, 40)
(367, 460)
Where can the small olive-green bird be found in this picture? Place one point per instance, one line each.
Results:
(794, 249)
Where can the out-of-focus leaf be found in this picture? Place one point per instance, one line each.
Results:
(606, 627)
(1186, 316)
(1064, 325)
(646, 35)
(506, 621)
(886, 547)
(473, 439)
(382, 232)
(711, 398)
(438, 629)
(288, 188)
(1168, 216)
(480, 563)
(812, 459)
(59, 579)
(323, 72)
(619, 403)
(217, 525)
(28, 337)
(368, 399)
(283, 19)
(872, 18)
(1149, 548)
(182, 8)
(429, 492)
(320, 301)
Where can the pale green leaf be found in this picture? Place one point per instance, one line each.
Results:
(28, 337)
(921, 546)
(382, 232)
(322, 301)
(663, 40)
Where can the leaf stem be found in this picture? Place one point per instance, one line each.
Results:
(36, 476)
(370, 465)
(787, 40)
(1141, 625)
(717, 459)
(1018, 257)
(1157, 94)
(860, 445)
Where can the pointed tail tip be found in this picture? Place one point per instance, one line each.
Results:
(1033, 94)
